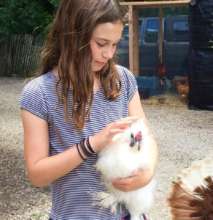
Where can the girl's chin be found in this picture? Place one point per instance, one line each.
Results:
(97, 68)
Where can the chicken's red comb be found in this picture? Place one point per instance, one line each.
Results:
(138, 136)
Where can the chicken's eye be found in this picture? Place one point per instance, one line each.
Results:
(132, 140)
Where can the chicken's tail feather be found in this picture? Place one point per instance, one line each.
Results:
(192, 205)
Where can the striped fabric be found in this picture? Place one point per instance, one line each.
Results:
(72, 194)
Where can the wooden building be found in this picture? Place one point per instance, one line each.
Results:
(133, 7)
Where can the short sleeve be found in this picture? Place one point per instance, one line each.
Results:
(130, 82)
(33, 100)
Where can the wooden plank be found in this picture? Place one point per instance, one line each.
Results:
(131, 38)
(133, 41)
(161, 37)
(154, 4)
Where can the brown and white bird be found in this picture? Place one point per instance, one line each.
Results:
(128, 152)
(191, 197)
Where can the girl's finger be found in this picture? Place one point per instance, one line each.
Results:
(115, 131)
(129, 119)
(123, 181)
(122, 123)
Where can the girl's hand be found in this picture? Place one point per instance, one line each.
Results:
(104, 137)
(137, 180)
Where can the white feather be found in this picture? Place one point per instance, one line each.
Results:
(120, 160)
(195, 175)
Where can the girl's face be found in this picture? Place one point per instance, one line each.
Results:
(103, 43)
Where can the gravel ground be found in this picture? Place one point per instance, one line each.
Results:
(182, 135)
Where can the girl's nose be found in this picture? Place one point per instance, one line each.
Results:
(108, 54)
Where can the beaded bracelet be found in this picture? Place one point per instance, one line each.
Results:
(79, 152)
(89, 146)
(85, 149)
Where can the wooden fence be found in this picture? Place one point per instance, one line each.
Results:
(19, 56)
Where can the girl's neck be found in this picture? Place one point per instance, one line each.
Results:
(97, 83)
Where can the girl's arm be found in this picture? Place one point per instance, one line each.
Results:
(43, 169)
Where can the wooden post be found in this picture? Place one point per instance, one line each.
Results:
(161, 37)
(133, 41)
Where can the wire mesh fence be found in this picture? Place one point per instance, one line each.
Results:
(19, 55)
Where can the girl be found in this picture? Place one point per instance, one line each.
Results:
(74, 108)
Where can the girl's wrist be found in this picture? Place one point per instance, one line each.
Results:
(94, 143)
(85, 149)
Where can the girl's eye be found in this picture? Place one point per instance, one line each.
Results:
(100, 44)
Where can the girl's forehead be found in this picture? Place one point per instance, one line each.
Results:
(108, 31)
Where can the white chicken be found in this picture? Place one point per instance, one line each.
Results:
(128, 152)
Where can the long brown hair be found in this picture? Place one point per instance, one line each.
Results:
(67, 47)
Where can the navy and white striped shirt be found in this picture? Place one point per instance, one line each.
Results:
(72, 193)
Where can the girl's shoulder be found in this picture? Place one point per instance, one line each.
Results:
(126, 75)
(128, 81)
(124, 72)
(38, 83)
(34, 96)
